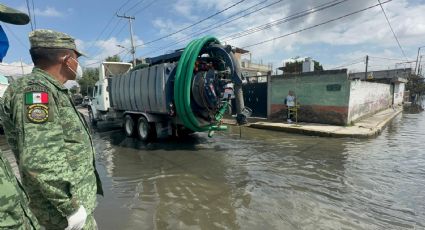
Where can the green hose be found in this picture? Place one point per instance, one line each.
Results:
(182, 86)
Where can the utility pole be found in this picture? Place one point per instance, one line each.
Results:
(417, 58)
(22, 67)
(367, 63)
(133, 51)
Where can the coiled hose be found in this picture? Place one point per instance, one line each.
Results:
(182, 88)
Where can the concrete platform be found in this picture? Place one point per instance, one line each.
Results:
(366, 128)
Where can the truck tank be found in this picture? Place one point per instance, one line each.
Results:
(144, 90)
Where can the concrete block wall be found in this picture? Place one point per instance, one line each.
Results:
(367, 98)
(323, 96)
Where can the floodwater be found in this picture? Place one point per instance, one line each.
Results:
(257, 179)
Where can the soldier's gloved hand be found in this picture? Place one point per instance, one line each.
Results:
(76, 221)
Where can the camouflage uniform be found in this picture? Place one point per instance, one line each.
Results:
(14, 210)
(52, 142)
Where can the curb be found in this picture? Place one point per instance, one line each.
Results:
(374, 132)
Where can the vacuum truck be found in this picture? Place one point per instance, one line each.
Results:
(173, 94)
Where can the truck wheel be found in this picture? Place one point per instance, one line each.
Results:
(145, 131)
(128, 125)
(91, 118)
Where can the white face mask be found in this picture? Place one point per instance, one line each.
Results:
(79, 72)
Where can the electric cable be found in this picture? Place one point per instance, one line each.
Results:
(355, 61)
(284, 20)
(389, 24)
(275, 22)
(108, 23)
(214, 26)
(314, 26)
(14, 35)
(33, 15)
(29, 14)
(98, 61)
(133, 6)
(194, 24)
(146, 7)
(386, 58)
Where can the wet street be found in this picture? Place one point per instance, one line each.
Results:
(264, 180)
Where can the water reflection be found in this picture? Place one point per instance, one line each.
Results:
(264, 179)
(171, 184)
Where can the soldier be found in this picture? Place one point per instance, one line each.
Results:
(50, 137)
(14, 210)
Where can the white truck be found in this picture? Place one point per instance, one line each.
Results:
(173, 94)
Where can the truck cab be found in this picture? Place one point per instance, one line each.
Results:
(100, 103)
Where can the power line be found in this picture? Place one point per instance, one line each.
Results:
(146, 7)
(109, 22)
(211, 27)
(316, 25)
(389, 24)
(132, 7)
(29, 13)
(386, 58)
(279, 21)
(33, 12)
(122, 6)
(284, 19)
(101, 60)
(115, 27)
(196, 23)
(355, 61)
(14, 35)
(120, 31)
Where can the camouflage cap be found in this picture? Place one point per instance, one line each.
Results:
(43, 38)
(12, 16)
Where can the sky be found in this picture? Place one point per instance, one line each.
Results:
(161, 26)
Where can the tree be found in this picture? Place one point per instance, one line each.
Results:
(317, 66)
(416, 86)
(89, 79)
(74, 89)
(297, 67)
(293, 67)
(114, 58)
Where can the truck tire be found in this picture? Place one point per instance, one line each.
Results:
(145, 131)
(128, 126)
(91, 118)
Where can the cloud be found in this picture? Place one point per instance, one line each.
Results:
(48, 12)
(15, 68)
(106, 48)
(367, 31)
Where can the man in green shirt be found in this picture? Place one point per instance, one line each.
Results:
(50, 138)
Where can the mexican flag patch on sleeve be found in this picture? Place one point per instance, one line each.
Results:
(36, 98)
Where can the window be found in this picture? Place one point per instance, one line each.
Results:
(95, 91)
(333, 87)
